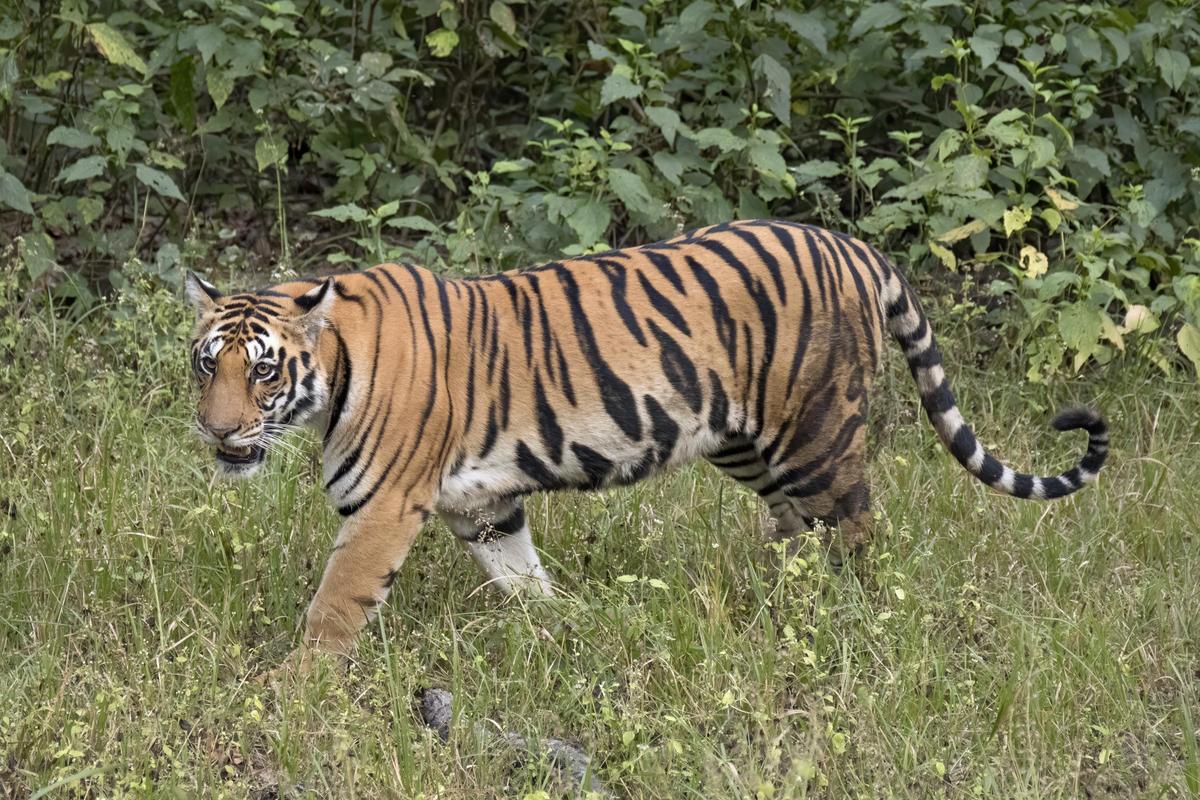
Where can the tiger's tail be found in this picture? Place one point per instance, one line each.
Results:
(909, 326)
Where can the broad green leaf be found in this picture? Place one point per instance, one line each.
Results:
(807, 26)
(157, 180)
(501, 167)
(209, 39)
(970, 172)
(72, 137)
(768, 160)
(1120, 43)
(631, 190)
(988, 50)
(14, 194)
(1079, 327)
(413, 223)
(618, 86)
(269, 152)
(817, 169)
(442, 42)
(1172, 65)
(590, 221)
(115, 47)
(693, 18)
(84, 168)
(720, 138)
(667, 120)
(1189, 343)
(502, 15)
(1003, 128)
(220, 86)
(874, 16)
(670, 165)
(778, 94)
(90, 209)
(345, 213)
(183, 92)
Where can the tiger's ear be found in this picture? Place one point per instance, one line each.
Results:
(315, 305)
(201, 293)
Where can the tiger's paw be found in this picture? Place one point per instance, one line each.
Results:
(301, 664)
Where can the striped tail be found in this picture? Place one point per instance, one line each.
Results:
(910, 327)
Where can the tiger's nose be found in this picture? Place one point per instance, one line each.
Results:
(222, 433)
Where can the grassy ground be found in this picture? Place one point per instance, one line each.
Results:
(985, 647)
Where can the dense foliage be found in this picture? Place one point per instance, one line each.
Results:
(1045, 151)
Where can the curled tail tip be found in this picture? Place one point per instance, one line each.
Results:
(1088, 419)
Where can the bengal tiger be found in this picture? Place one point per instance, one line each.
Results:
(751, 344)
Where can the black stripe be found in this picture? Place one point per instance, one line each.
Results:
(616, 395)
(664, 306)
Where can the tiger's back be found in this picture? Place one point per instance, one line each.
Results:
(752, 344)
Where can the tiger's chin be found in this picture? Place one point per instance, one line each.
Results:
(240, 462)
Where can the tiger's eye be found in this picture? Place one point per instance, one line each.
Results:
(263, 370)
(207, 364)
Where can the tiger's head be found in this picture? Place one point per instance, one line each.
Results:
(255, 357)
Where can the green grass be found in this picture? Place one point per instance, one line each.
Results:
(985, 647)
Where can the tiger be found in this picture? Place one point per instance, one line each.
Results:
(750, 344)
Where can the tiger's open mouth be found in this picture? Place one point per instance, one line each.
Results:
(240, 456)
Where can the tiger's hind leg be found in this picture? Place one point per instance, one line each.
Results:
(740, 460)
(832, 489)
(498, 538)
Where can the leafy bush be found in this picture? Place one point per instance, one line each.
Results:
(1048, 152)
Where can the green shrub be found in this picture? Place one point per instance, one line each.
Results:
(1046, 151)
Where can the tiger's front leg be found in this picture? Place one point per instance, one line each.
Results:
(370, 549)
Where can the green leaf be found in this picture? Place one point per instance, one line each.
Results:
(14, 194)
(768, 160)
(442, 42)
(90, 209)
(502, 15)
(269, 152)
(817, 169)
(720, 138)
(158, 180)
(345, 213)
(115, 47)
(220, 86)
(616, 87)
(778, 94)
(807, 26)
(988, 50)
(84, 168)
(501, 167)
(1002, 127)
(631, 190)
(874, 16)
(670, 165)
(667, 120)
(590, 221)
(1189, 344)
(1173, 65)
(183, 92)
(209, 39)
(1079, 326)
(72, 137)
(413, 223)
